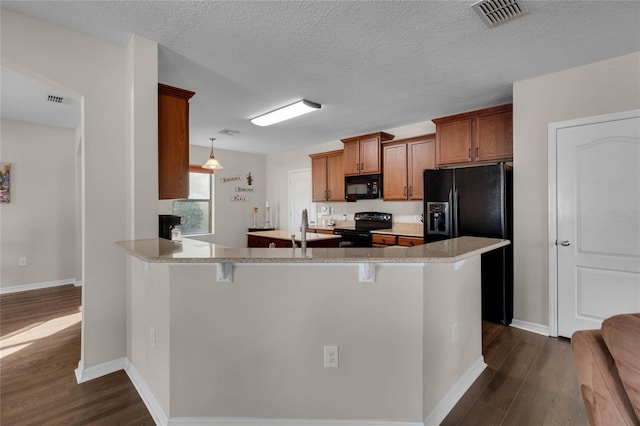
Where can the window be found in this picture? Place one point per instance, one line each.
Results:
(196, 211)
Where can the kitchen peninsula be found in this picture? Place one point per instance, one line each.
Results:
(219, 333)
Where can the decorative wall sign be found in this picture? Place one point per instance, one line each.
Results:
(241, 189)
(239, 198)
(5, 182)
(230, 179)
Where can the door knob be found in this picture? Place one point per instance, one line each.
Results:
(565, 243)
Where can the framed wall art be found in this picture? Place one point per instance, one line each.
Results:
(5, 182)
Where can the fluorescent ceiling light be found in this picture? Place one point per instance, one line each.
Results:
(281, 114)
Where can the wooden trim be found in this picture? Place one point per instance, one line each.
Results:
(476, 113)
(381, 135)
(320, 154)
(425, 137)
(197, 168)
(176, 92)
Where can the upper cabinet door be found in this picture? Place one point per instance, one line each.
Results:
(403, 163)
(421, 156)
(494, 137)
(351, 158)
(318, 178)
(335, 176)
(370, 155)
(173, 142)
(454, 141)
(394, 183)
(484, 135)
(327, 178)
(362, 153)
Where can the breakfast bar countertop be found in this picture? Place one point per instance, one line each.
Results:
(158, 250)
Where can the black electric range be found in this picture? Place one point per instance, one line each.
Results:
(360, 234)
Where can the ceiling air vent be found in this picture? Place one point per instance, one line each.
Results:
(55, 99)
(494, 12)
(228, 132)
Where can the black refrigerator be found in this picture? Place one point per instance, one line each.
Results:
(476, 201)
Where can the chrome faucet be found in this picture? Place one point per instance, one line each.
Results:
(304, 224)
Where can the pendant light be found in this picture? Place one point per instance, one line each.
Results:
(212, 163)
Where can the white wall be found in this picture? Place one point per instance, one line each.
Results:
(600, 88)
(96, 72)
(39, 223)
(278, 166)
(232, 218)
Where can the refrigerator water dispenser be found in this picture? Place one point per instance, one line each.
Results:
(438, 215)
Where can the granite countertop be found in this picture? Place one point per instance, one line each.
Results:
(403, 229)
(158, 250)
(280, 234)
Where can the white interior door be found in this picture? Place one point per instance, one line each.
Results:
(598, 222)
(299, 197)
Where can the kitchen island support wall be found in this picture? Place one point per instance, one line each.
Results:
(253, 348)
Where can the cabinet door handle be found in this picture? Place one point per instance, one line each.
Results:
(411, 191)
(477, 152)
(357, 167)
(469, 153)
(361, 166)
(405, 191)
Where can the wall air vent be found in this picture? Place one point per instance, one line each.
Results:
(494, 12)
(55, 99)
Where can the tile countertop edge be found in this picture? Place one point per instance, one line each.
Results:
(196, 252)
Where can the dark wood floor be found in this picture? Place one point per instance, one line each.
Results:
(39, 351)
(530, 379)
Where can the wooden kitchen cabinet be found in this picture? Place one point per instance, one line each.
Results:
(362, 153)
(173, 142)
(254, 241)
(327, 178)
(383, 240)
(410, 241)
(387, 240)
(324, 231)
(484, 135)
(403, 163)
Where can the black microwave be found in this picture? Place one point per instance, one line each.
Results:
(362, 187)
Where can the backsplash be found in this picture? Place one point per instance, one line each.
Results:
(402, 211)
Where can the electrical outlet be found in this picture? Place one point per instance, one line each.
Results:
(330, 357)
(454, 333)
(152, 337)
(22, 261)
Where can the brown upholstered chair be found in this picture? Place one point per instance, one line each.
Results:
(608, 367)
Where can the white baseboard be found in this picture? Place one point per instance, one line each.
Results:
(245, 421)
(451, 398)
(149, 399)
(85, 374)
(434, 418)
(531, 326)
(37, 286)
(161, 418)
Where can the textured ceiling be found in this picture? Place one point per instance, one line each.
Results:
(372, 65)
